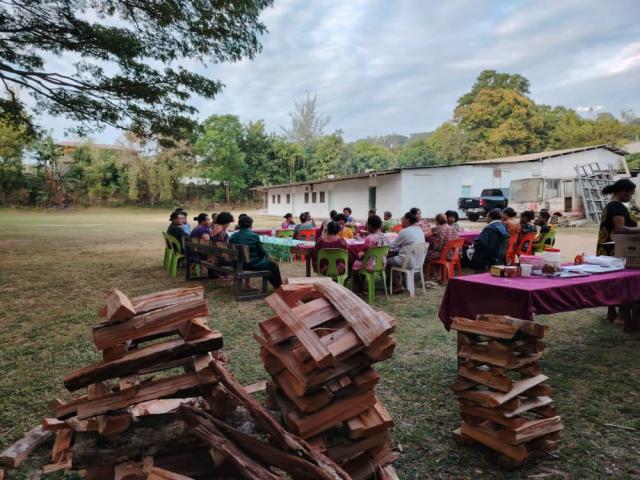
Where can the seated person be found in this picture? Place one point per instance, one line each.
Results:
(375, 239)
(345, 232)
(491, 245)
(452, 220)
(305, 224)
(410, 234)
(347, 212)
(257, 257)
(547, 235)
(288, 222)
(329, 240)
(440, 235)
(310, 219)
(388, 224)
(372, 211)
(219, 231)
(526, 224)
(176, 228)
(323, 226)
(508, 218)
(185, 225)
(203, 230)
(422, 223)
(213, 217)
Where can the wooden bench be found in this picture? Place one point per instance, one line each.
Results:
(225, 259)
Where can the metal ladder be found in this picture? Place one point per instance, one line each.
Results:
(592, 179)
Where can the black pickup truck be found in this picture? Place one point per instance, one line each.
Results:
(490, 198)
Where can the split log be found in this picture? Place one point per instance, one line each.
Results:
(15, 454)
(314, 313)
(165, 298)
(495, 399)
(158, 321)
(480, 327)
(136, 360)
(119, 307)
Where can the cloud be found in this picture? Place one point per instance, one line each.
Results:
(380, 67)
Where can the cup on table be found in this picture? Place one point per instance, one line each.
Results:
(526, 270)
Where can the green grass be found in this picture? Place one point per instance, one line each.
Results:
(57, 267)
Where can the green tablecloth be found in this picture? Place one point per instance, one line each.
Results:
(279, 249)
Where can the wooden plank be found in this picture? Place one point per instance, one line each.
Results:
(53, 424)
(480, 327)
(256, 387)
(495, 399)
(157, 321)
(320, 354)
(482, 353)
(339, 411)
(531, 430)
(370, 422)
(526, 326)
(64, 464)
(162, 406)
(348, 448)
(491, 414)
(518, 452)
(152, 390)
(313, 313)
(15, 454)
(194, 328)
(119, 307)
(308, 403)
(162, 299)
(501, 383)
(61, 445)
(161, 474)
(368, 324)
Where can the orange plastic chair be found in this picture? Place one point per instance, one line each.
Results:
(525, 246)
(396, 228)
(447, 267)
(305, 236)
(510, 256)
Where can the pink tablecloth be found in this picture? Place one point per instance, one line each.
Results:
(523, 297)
(469, 236)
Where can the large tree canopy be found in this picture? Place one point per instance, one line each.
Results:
(126, 55)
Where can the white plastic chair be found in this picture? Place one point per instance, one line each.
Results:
(412, 263)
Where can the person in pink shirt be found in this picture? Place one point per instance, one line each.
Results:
(440, 235)
(375, 239)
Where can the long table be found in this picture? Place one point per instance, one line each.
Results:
(524, 297)
(306, 249)
(469, 236)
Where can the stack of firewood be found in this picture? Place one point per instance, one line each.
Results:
(318, 349)
(504, 401)
(161, 404)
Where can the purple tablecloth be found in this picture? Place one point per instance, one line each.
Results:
(469, 236)
(525, 296)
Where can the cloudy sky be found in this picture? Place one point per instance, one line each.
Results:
(381, 66)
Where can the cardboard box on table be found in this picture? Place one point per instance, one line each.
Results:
(627, 245)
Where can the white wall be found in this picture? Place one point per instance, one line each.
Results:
(436, 190)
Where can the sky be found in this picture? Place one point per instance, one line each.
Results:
(381, 67)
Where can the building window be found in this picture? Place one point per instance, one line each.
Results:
(306, 197)
(288, 198)
(321, 197)
(273, 199)
(279, 198)
(314, 197)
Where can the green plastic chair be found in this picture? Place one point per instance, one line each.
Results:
(332, 256)
(168, 251)
(176, 255)
(379, 253)
(284, 233)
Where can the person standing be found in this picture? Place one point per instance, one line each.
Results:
(616, 217)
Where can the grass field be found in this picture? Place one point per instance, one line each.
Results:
(56, 268)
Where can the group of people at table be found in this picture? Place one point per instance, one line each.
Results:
(340, 229)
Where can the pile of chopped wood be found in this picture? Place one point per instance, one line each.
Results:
(504, 401)
(162, 405)
(318, 349)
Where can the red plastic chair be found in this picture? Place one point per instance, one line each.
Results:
(452, 248)
(510, 256)
(525, 246)
(396, 228)
(305, 236)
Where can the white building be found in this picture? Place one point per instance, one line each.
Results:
(432, 189)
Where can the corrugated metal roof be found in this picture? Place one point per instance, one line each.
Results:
(532, 157)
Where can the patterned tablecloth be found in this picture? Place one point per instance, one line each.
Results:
(279, 249)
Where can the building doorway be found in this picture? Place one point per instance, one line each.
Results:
(372, 197)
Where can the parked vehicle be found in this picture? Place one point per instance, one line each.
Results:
(490, 198)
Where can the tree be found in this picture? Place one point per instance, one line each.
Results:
(417, 153)
(222, 159)
(325, 156)
(500, 122)
(365, 156)
(125, 54)
(449, 144)
(307, 124)
(13, 141)
(256, 145)
(490, 79)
